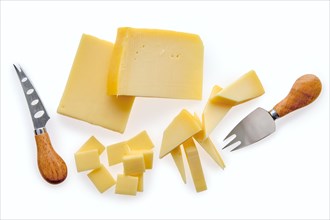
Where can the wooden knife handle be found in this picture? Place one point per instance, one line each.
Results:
(51, 166)
(303, 92)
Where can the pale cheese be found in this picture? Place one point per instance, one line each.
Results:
(156, 63)
(91, 144)
(148, 156)
(141, 141)
(133, 164)
(85, 95)
(87, 160)
(178, 159)
(102, 179)
(127, 185)
(116, 152)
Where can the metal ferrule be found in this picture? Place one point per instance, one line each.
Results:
(274, 114)
(39, 131)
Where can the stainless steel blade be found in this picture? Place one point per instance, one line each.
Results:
(254, 127)
(37, 110)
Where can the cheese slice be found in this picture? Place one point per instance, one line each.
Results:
(85, 95)
(141, 141)
(102, 179)
(213, 113)
(91, 144)
(178, 159)
(180, 129)
(156, 63)
(245, 88)
(195, 165)
(127, 185)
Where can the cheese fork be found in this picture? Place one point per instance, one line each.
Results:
(260, 123)
(51, 166)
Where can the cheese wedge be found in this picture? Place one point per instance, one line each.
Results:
(91, 144)
(116, 152)
(195, 165)
(180, 129)
(178, 159)
(127, 185)
(102, 179)
(245, 88)
(85, 95)
(213, 113)
(141, 141)
(156, 63)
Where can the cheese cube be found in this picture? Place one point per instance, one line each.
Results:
(156, 63)
(148, 156)
(102, 179)
(140, 183)
(180, 129)
(178, 159)
(133, 164)
(195, 165)
(87, 160)
(244, 89)
(85, 95)
(127, 185)
(116, 152)
(92, 143)
(141, 141)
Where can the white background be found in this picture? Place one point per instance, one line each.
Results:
(283, 176)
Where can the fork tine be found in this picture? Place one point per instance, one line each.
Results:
(230, 142)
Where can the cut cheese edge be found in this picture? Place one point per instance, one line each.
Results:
(102, 179)
(85, 95)
(156, 63)
(178, 159)
(91, 144)
(195, 165)
(116, 152)
(127, 185)
(213, 113)
(87, 160)
(244, 89)
(141, 141)
(180, 129)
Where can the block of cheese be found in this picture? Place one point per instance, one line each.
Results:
(133, 164)
(102, 179)
(91, 144)
(195, 165)
(140, 182)
(178, 159)
(213, 113)
(156, 63)
(208, 146)
(140, 141)
(85, 95)
(116, 152)
(245, 88)
(180, 129)
(148, 156)
(127, 185)
(87, 160)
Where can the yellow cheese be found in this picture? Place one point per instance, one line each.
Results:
(195, 165)
(148, 156)
(245, 88)
(140, 183)
(87, 160)
(85, 95)
(102, 179)
(127, 185)
(156, 63)
(116, 152)
(141, 141)
(180, 129)
(91, 144)
(178, 159)
(213, 113)
(208, 146)
(133, 164)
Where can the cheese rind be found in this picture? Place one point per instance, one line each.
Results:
(102, 179)
(91, 144)
(156, 63)
(85, 95)
(195, 165)
(180, 129)
(178, 159)
(141, 141)
(116, 152)
(87, 160)
(127, 185)
(244, 89)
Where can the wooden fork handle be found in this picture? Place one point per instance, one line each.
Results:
(51, 166)
(303, 92)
